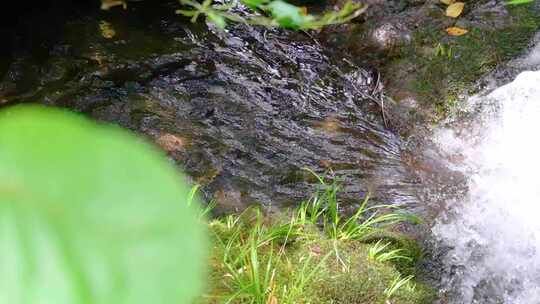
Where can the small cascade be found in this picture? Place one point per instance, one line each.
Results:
(491, 239)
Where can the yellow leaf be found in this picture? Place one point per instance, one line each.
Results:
(456, 31)
(455, 9)
(448, 2)
(107, 30)
(107, 4)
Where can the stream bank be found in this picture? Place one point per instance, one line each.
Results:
(245, 111)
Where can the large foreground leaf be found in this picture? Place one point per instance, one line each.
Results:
(91, 214)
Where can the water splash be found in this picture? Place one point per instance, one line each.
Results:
(492, 237)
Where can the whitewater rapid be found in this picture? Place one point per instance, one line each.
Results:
(491, 238)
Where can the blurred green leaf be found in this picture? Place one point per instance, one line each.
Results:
(288, 15)
(269, 13)
(254, 4)
(91, 214)
(218, 20)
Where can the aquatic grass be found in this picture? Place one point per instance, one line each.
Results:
(378, 252)
(250, 256)
(398, 283)
(310, 211)
(204, 210)
(299, 280)
(241, 259)
(311, 254)
(365, 221)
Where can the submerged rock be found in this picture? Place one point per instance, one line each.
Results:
(389, 35)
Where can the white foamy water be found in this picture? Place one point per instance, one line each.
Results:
(492, 237)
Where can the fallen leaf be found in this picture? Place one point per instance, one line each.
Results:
(448, 2)
(456, 31)
(455, 9)
(303, 10)
(107, 30)
(108, 4)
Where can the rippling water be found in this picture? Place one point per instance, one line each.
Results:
(242, 111)
(490, 238)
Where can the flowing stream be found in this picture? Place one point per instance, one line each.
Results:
(490, 238)
(244, 111)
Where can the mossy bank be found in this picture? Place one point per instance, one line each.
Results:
(446, 68)
(312, 254)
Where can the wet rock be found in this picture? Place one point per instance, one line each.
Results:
(490, 15)
(416, 2)
(55, 71)
(407, 116)
(389, 35)
(229, 201)
(243, 111)
(171, 142)
(379, 9)
(7, 88)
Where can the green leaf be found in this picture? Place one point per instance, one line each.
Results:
(91, 214)
(516, 2)
(217, 19)
(288, 15)
(254, 4)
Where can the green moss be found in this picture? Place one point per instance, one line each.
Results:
(363, 280)
(448, 66)
(292, 261)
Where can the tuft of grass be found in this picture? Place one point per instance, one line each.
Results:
(397, 284)
(380, 253)
(312, 254)
(366, 221)
(250, 253)
(204, 210)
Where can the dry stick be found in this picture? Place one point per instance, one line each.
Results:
(378, 87)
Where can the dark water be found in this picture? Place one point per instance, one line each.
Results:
(242, 111)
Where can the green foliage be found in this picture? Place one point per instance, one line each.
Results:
(192, 200)
(271, 13)
(251, 252)
(90, 214)
(300, 256)
(397, 284)
(380, 252)
(366, 221)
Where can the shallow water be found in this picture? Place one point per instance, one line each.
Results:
(241, 111)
